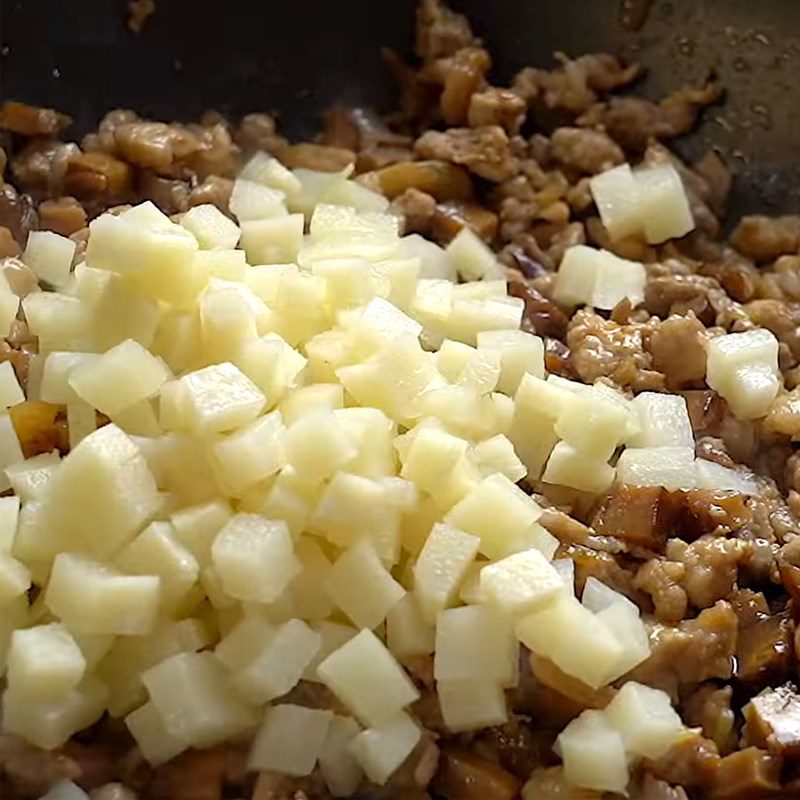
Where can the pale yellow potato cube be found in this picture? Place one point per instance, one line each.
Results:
(285, 501)
(754, 388)
(628, 629)
(470, 705)
(246, 639)
(435, 263)
(470, 317)
(289, 740)
(178, 341)
(520, 353)
(279, 666)
(15, 615)
(593, 425)
(469, 590)
(10, 449)
(265, 280)
(91, 597)
(227, 322)
(314, 186)
(44, 662)
(378, 323)
(9, 305)
(431, 458)
(616, 195)
(227, 265)
(122, 312)
(432, 306)
(49, 723)
(498, 455)
(350, 281)
(337, 231)
(156, 743)
(193, 696)
(139, 419)
(156, 551)
(520, 583)
(219, 398)
(663, 203)
(495, 511)
(196, 527)
(50, 256)
(255, 558)
(81, 422)
(670, 467)
(473, 260)
(272, 364)
(593, 753)
(453, 357)
(275, 240)
(60, 322)
(252, 201)
(250, 454)
(396, 279)
(361, 586)
(373, 433)
(262, 168)
(711, 475)
(65, 790)
(726, 353)
(15, 577)
(332, 635)
(302, 300)
(407, 633)
(356, 195)
(182, 465)
(540, 538)
(340, 770)
(211, 227)
(380, 750)
(663, 419)
(307, 399)
(441, 567)
(311, 600)
(10, 391)
(147, 214)
(317, 446)
(364, 675)
(94, 647)
(9, 506)
(572, 467)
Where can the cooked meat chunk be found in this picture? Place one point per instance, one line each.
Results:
(259, 132)
(709, 708)
(64, 215)
(744, 774)
(493, 106)
(214, 190)
(140, 11)
(654, 789)
(773, 721)
(585, 150)
(416, 208)
(449, 218)
(8, 244)
(661, 580)
(550, 783)
(691, 761)
(678, 351)
(541, 316)
(464, 776)
(765, 651)
(318, 157)
(766, 238)
(484, 151)
(41, 166)
(98, 179)
(439, 179)
(440, 31)
(460, 76)
(31, 120)
(634, 514)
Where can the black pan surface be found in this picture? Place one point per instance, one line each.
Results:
(297, 57)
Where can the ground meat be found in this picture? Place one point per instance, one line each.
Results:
(550, 783)
(213, 190)
(678, 352)
(493, 106)
(691, 762)
(171, 196)
(449, 218)
(317, 157)
(709, 708)
(773, 721)
(585, 150)
(41, 166)
(780, 280)
(259, 132)
(17, 213)
(460, 77)
(783, 319)
(440, 31)
(98, 180)
(32, 120)
(484, 151)
(661, 580)
(416, 208)
(464, 776)
(64, 215)
(654, 789)
(744, 774)
(766, 238)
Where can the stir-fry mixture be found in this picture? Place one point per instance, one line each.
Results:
(450, 455)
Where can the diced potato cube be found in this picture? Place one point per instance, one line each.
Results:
(754, 387)
(9, 305)
(228, 265)
(289, 740)
(407, 633)
(381, 322)
(435, 262)
(340, 770)
(380, 750)
(93, 598)
(301, 300)
(670, 467)
(593, 753)
(470, 317)
(147, 727)
(664, 420)
(317, 446)
(396, 280)
(49, 255)
(350, 281)
(333, 636)
(65, 790)
(565, 567)
(663, 204)
(311, 600)
(272, 364)
(274, 240)
(262, 168)
(537, 404)
(10, 391)
(255, 558)
(497, 455)
(520, 582)
(470, 705)
(211, 227)
(616, 195)
(178, 341)
(645, 718)
(278, 667)
(431, 458)
(628, 629)
(361, 586)
(363, 674)
(121, 312)
(15, 615)
(252, 201)
(520, 353)
(44, 662)
(197, 526)
(227, 321)
(9, 506)
(474, 643)
(353, 194)
(192, 694)
(94, 647)
(441, 566)
(711, 475)
(726, 353)
(473, 260)
(28, 479)
(15, 577)
(81, 422)
(240, 646)
(308, 399)
(593, 425)
(496, 511)
(569, 466)
(59, 322)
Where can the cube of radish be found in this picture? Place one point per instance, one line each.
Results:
(15, 577)
(274, 240)
(350, 281)
(569, 466)
(664, 420)
(496, 511)
(435, 262)
(253, 201)
(593, 753)
(340, 770)
(497, 455)
(44, 662)
(278, 667)
(81, 421)
(65, 790)
(470, 317)
(353, 194)
(474, 643)
(407, 633)
(9, 506)
(50, 722)
(711, 475)
(670, 467)
(311, 600)
(243, 643)
(593, 424)
(9, 305)
(59, 321)
(192, 694)
(255, 558)
(289, 740)
(520, 583)
(269, 171)
(49, 255)
(473, 260)
(616, 195)
(363, 674)
(380, 750)
(272, 364)
(147, 727)
(754, 387)
(93, 598)
(520, 353)
(10, 390)
(317, 446)
(333, 636)
(361, 586)
(197, 526)
(663, 204)
(432, 457)
(470, 705)
(441, 567)
(381, 322)
(645, 718)
(726, 353)
(211, 227)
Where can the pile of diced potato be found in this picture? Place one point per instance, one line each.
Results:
(310, 474)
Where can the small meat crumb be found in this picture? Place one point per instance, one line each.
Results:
(139, 12)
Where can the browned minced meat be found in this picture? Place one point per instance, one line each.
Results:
(416, 208)
(484, 151)
(140, 11)
(586, 150)
(32, 120)
(765, 238)
(64, 215)
(440, 31)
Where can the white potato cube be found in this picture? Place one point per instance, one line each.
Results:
(273, 240)
(664, 421)
(726, 353)
(616, 195)
(407, 633)
(289, 740)
(317, 446)
(496, 511)
(9, 506)
(593, 753)
(497, 455)
(192, 694)
(59, 321)
(9, 305)
(333, 636)
(645, 718)
(471, 704)
(255, 558)
(378, 323)
(340, 770)
(711, 475)
(272, 364)
(147, 727)
(10, 391)
(211, 227)
(593, 424)
(565, 567)
(663, 204)
(520, 583)
(309, 596)
(629, 630)
(93, 598)
(470, 317)
(243, 643)
(196, 527)
(361, 586)
(228, 321)
(350, 281)
(670, 467)
(308, 399)
(471, 257)
(228, 265)
(178, 341)
(253, 201)
(520, 353)
(15, 615)
(81, 422)
(754, 387)
(431, 458)
(363, 674)
(50, 256)
(434, 261)
(44, 662)
(441, 567)
(15, 577)
(262, 168)
(353, 194)
(571, 467)
(380, 750)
